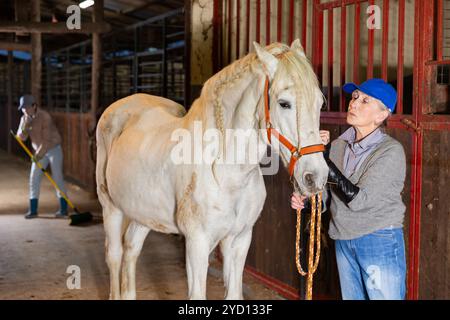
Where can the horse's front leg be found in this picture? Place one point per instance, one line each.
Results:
(234, 249)
(197, 253)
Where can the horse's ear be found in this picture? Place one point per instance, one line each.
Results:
(297, 47)
(268, 60)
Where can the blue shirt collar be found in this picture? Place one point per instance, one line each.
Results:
(367, 142)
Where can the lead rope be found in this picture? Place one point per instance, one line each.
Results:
(314, 237)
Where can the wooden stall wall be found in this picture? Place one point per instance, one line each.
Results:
(79, 164)
(434, 281)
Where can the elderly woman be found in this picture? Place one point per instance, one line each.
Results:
(366, 178)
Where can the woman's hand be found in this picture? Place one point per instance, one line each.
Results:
(325, 136)
(297, 201)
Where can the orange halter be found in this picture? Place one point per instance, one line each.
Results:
(295, 152)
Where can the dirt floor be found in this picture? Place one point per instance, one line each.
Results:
(35, 254)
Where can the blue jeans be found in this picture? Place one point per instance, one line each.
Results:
(373, 266)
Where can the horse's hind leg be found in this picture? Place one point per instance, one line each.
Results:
(112, 221)
(134, 239)
(197, 253)
(234, 249)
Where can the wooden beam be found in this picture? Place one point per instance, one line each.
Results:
(14, 46)
(49, 27)
(97, 17)
(36, 54)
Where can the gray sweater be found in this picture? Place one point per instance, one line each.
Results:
(378, 204)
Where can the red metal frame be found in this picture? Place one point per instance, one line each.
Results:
(330, 60)
(370, 47)
(279, 20)
(291, 21)
(384, 46)
(342, 106)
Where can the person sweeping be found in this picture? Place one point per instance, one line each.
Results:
(38, 125)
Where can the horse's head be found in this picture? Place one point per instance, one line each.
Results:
(295, 100)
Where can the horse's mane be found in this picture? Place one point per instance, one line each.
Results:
(288, 61)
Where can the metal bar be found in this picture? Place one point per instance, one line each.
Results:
(291, 21)
(247, 29)
(238, 19)
(356, 48)
(267, 21)
(304, 22)
(439, 31)
(343, 54)
(155, 18)
(370, 49)
(317, 41)
(221, 36)
(135, 61)
(186, 60)
(229, 18)
(385, 42)
(330, 59)
(258, 21)
(279, 20)
(400, 53)
(216, 27)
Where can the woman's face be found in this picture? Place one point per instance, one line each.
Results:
(365, 111)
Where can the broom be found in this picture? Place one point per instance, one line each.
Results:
(75, 218)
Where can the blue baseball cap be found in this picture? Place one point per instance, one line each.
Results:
(26, 101)
(377, 88)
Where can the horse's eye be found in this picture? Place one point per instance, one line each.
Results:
(284, 104)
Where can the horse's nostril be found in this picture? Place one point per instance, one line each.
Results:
(308, 179)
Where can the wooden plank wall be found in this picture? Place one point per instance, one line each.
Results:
(272, 251)
(79, 166)
(434, 277)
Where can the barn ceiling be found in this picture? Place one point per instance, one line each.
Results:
(118, 13)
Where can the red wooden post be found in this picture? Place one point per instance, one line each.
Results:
(258, 21)
(356, 48)
(279, 20)
(370, 48)
(330, 59)
(291, 21)
(400, 48)
(304, 22)
(385, 43)
(342, 106)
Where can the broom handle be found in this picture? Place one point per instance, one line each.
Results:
(24, 147)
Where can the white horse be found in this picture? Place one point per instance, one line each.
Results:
(142, 189)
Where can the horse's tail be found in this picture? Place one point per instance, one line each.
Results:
(102, 162)
(109, 128)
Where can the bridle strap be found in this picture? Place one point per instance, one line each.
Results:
(295, 153)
